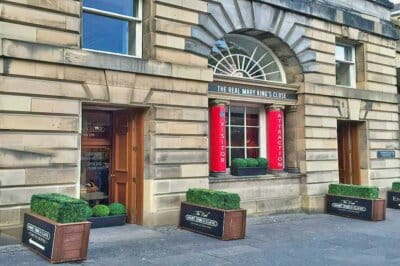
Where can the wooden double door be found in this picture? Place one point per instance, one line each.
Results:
(124, 139)
(349, 152)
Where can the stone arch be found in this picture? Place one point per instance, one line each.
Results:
(282, 31)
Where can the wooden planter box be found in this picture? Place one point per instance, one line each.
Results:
(393, 199)
(115, 220)
(222, 224)
(248, 171)
(353, 207)
(55, 241)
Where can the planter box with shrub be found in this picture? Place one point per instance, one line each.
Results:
(361, 202)
(57, 228)
(213, 213)
(105, 216)
(249, 167)
(393, 196)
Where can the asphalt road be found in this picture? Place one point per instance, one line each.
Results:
(293, 239)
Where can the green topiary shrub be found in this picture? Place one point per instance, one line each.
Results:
(117, 209)
(100, 210)
(89, 212)
(262, 162)
(239, 163)
(354, 191)
(396, 186)
(251, 162)
(59, 208)
(213, 198)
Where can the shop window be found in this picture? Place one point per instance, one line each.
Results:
(345, 65)
(242, 132)
(112, 26)
(95, 156)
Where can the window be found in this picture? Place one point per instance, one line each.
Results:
(345, 66)
(242, 132)
(244, 57)
(112, 26)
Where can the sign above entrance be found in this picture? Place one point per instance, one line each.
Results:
(252, 91)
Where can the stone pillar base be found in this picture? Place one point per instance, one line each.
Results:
(313, 204)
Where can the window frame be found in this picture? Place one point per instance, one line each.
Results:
(261, 130)
(275, 59)
(351, 63)
(138, 20)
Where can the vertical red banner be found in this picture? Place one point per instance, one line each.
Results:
(217, 139)
(275, 139)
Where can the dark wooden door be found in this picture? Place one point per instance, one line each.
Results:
(349, 153)
(123, 173)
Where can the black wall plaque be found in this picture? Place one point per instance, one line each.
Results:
(202, 219)
(259, 92)
(38, 235)
(386, 154)
(393, 200)
(349, 207)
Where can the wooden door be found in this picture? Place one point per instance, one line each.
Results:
(349, 153)
(123, 167)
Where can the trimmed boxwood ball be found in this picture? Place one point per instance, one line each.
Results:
(251, 162)
(396, 186)
(59, 208)
(100, 210)
(213, 198)
(117, 209)
(239, 163)
(262, 162)
(89, 212)
(369, 192)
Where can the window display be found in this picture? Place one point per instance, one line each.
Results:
(95, 156)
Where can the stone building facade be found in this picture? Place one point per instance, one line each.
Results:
(139, 116)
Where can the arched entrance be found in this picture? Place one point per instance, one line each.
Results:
(250, 99)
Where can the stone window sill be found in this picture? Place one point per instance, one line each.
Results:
(268, 176)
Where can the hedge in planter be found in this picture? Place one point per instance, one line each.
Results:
(355, 201)
(214, 213)
(105, 216)
(212, 198)
(57, 228)
(249, 166)
(354, 191)
(59, 208)
(396, 186)
(393, 196)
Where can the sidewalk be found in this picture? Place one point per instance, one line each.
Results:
(293, 239)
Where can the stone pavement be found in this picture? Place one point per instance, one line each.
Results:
(292, 239)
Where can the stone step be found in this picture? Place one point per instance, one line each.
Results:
(13, 230)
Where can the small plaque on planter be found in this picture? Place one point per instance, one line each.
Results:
(393, 200)
(350, 207)
(202, 219)
(38, 235)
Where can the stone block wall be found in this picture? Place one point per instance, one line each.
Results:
(49, 22)
(43, 86)
(264, 195)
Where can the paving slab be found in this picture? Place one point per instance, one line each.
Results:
(290, 239)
